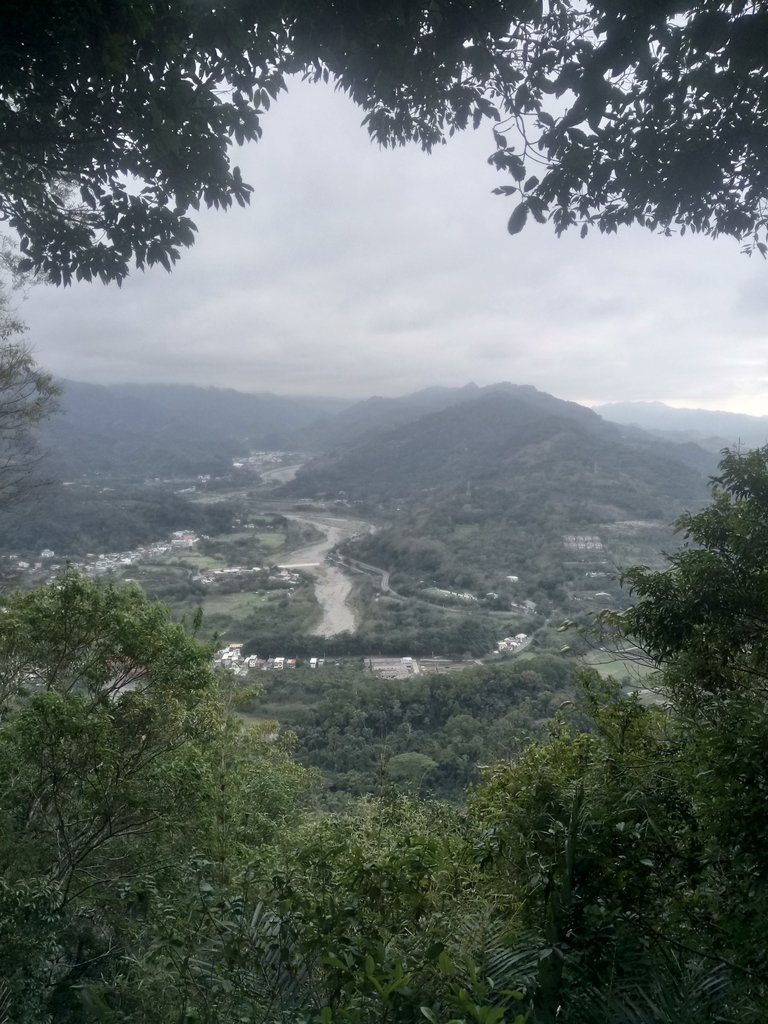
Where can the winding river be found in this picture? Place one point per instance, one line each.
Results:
(332, 586)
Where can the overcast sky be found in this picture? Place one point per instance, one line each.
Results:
(358, 271)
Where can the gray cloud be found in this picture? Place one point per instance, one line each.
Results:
(358, 271)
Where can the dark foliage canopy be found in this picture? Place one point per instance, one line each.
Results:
(117, 116)
(705, 616)
(27, 396)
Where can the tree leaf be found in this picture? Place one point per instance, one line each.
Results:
(517, 220)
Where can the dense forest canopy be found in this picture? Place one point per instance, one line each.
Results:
(27, 396)
(603, 114)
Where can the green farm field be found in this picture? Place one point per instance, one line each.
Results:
(609, 663)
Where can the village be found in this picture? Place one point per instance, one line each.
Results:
(284, 575)
(232, 658)
(99, 565)
(95, 565)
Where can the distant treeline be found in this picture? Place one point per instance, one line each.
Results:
(471, 637)
(429, 732)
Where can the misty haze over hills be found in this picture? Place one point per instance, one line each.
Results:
(503, 441)
(382, 445)
(365, 418)
(712, 430)
(161, 429)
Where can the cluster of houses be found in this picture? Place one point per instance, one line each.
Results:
(258, 459)
(282, 577)
(582, 542)
(112, 561)
(511, 643)
(454, 595)
(44, 561)
(98, 565)
(231, 657)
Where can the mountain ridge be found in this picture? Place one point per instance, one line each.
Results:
(377, 413)
(714, 429)
(162, 429)
(497, 431)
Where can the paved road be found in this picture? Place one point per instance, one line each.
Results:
(372, 570)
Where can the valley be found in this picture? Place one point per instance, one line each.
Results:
(448, 537)
(383, 697)
(442, 524)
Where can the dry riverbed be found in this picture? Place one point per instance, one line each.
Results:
(332, 586)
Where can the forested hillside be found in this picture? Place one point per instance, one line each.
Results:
(85, 516)
(508, 440)
(494, 487)
(373, 415)
(166, 430)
